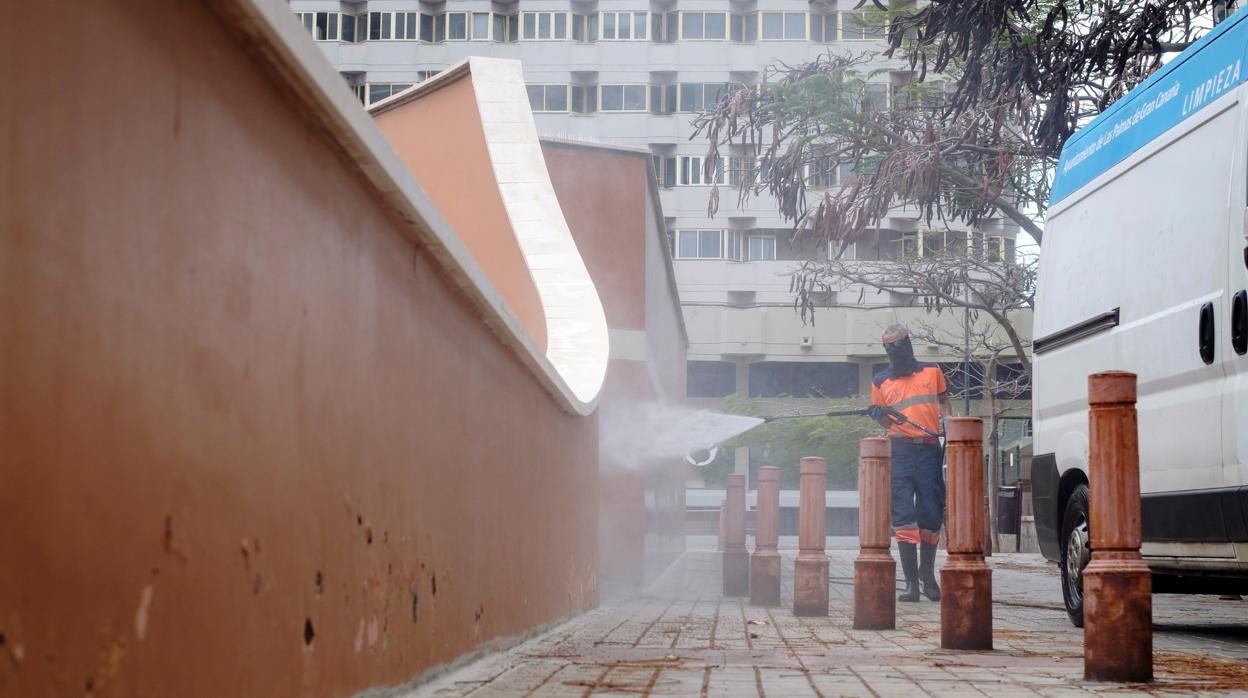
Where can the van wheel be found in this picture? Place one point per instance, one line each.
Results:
(1076, 552)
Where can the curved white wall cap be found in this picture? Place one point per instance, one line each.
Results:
(576, 325)
(574, 366)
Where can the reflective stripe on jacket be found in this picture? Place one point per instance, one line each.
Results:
(917, 396)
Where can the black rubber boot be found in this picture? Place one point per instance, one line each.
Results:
(910, 568)
(927, 571)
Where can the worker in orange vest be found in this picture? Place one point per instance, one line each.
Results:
(918, 391)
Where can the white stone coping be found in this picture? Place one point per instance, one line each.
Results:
(573, 368)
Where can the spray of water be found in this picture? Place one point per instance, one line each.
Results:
(634, 434)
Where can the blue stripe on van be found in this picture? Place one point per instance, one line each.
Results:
(1203, 72)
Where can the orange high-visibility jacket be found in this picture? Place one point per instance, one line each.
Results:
(917, 396)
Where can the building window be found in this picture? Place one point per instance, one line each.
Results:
(663, 99)
(710, 379)
(480, 26)
(963, 380)
(623, 98)
(698, 26)
(857, 26)
(665, 173)
(624, 26)
(994, 248)
(374, 92)
(762, 249)
(584, 99)
(821, 173)
(544, 26)
(456, 26)
(803, 379)
(742, 171)
(699, 244)
(1012, 382)
(328, 26)
(876, 97)
(548, 97)
(836, 250)
(407, 26)
(394, 26)
(744, 28)
(734, 245)
(786, 26)
(693, 173)
(823, 28)
(664, 27)
(696, 96)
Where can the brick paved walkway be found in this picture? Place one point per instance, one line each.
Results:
(682, 638)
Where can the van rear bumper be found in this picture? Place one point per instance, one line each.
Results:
(1045, 488)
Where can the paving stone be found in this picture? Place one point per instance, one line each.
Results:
(681, 638)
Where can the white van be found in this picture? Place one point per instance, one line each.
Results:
(1144, 268)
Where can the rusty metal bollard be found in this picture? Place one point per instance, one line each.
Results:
(1117, 586)
(723, 508)
(875, 572)
(965, 580)
(765, 561)
(736, 565)
(810, 570)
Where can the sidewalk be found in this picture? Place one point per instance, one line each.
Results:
(682, 638)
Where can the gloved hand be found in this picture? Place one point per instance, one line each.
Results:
(876, 412)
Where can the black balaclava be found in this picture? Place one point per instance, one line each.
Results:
(901, 357)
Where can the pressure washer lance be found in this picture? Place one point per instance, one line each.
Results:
(888, 413)
(892, 415)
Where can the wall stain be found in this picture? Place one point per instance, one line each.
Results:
(141, 615)
(177, 90)
(170, 545)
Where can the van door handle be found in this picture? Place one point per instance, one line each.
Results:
(1239, 322)
(1206, 333)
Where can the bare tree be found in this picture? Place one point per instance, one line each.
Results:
(839, 154)
(998, 87)
(982, 352)
(938, 282)
(1063, 60)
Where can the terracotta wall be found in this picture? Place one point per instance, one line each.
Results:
(607, 200)
(253, 440)
(603, 197)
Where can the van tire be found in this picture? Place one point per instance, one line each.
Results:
(1076, 552)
